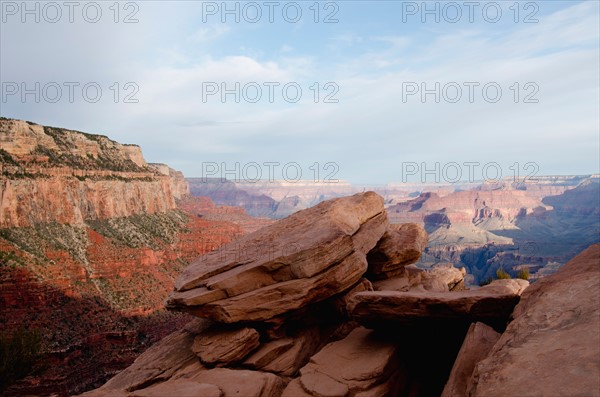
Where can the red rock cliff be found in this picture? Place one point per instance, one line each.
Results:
(51, 174)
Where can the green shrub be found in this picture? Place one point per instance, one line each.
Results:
(6, 158)
(19, 350)
(502, 275)
(523, 274)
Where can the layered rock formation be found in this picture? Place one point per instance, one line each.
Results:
(538, 225)
(493, 303)
(56, 175)
(425, 335)
(318, 253)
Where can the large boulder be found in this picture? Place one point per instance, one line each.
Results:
(360, 363)
(400, 245)
(552, 347)
(477, 344)
(285, 356)
(239, 382)
(493, 303)
(305, 258)
(225, 346)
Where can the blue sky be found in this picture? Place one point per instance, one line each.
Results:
(372, 57)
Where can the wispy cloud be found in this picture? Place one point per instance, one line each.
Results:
(210, 33)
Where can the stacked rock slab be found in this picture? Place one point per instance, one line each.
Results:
(493, 303)
(305, 258)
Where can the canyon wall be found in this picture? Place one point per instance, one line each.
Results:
(51, 174)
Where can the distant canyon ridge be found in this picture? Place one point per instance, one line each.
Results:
(539, 224)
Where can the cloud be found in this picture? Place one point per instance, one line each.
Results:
(210, 33)
(371, 130)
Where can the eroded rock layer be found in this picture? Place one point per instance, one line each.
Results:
(305, 258)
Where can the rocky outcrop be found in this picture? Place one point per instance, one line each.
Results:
(57, 175)
(297, 303)
(286, 355)
(554, 338)
(440, 278)
(305, 258)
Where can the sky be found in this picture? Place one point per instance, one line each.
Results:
(371, 92)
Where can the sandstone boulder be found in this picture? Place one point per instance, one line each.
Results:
(238, 382)
(477, 344)
(356, 364)
(492, 303)
(552, 347)
(305, 258)
(285, 356)
(440, 278)
(400, 245)
(223, 347)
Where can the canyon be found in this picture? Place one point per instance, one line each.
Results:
(132, 274)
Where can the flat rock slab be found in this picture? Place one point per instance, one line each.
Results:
(223, 347)
(552, 347)
(285, 356)
(357, 363)
(304, 258)
(493, 302)
(238, 382)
